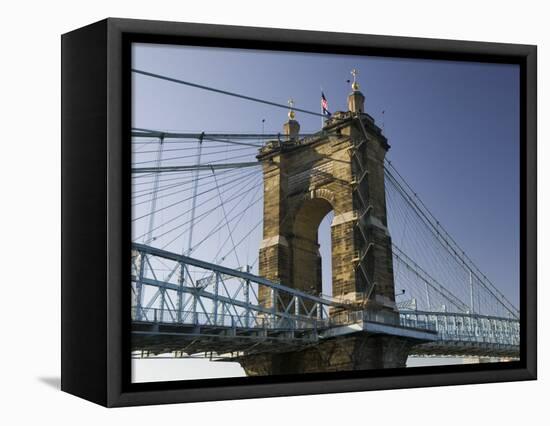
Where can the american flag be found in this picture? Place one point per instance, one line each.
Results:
(324, 104)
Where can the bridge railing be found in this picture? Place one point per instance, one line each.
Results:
(468, 327)
(195, 318)
(450, 327)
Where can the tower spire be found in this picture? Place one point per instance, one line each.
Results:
(355, 85)
(291, 127)
(291, 113)
(356, 100)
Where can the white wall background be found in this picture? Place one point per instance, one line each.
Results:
(30, 210)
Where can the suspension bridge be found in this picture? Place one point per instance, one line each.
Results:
(225, 253)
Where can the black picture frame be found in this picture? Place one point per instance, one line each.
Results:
(95, 211)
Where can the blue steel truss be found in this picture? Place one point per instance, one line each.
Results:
(204, 308)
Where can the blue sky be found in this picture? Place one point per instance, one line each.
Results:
(453, 127)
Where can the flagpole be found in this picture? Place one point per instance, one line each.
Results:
(322, 111)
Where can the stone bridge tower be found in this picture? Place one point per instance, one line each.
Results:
(340, 168)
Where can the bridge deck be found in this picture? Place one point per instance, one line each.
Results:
(222, 341)
(220, 314)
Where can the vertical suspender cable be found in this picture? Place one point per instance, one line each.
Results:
(158, 160)
(194, 199)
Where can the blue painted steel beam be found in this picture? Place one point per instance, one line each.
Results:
(224, 299)
(233, 272)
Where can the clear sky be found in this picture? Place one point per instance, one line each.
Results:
(453, 127)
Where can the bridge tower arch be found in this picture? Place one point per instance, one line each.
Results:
(306, 262)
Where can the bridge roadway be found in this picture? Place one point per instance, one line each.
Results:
(442, 334)
(227, 321)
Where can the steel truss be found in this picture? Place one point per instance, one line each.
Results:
(218, 304)
(220, 317)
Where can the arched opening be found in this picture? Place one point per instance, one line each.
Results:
(312, 247)
(324, 238)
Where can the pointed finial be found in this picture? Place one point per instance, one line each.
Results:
(355, 85)
(291, 113)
